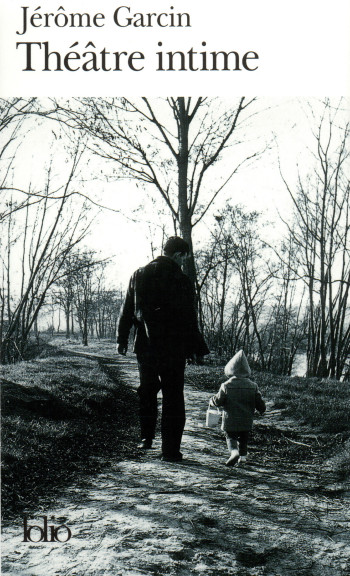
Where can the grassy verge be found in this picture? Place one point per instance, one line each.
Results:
(320, 404)
(60, 416)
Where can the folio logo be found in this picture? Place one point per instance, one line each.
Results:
(45, 533)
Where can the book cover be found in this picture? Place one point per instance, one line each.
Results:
(227, 126)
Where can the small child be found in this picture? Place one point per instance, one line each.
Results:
(239, 397)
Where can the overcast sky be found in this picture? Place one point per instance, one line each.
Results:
(126, 234)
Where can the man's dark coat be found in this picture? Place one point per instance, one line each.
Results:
(160, 305)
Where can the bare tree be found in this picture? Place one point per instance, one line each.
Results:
(286, 327)
(64, 296)
(170, 144)
(85, 275)
(320, 233)
(233, 283)
(14, 115)
(106, 305)
(42, 246)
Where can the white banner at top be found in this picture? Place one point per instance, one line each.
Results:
(85, 48)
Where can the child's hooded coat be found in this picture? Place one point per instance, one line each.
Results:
(239, 396)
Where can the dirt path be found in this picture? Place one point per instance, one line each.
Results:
(147, 517)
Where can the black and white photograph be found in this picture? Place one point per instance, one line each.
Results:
(175, 335)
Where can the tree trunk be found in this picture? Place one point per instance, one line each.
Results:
(223, 302)
(67, 313)
(183, 208)
(85, 331)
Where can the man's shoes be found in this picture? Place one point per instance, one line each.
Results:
(172, 457)
(145, 444)
(233, 459)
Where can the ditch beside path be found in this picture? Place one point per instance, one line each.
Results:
(143, 516)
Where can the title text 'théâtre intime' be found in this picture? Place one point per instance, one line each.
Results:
(45, 57)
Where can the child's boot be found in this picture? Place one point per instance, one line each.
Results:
(233, 449)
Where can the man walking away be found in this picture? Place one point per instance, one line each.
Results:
(160, 305)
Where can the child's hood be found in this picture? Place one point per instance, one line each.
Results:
(238, 366)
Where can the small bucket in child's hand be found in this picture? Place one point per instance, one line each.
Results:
(213, 417)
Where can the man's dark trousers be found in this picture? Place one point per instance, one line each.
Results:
(163, 372)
